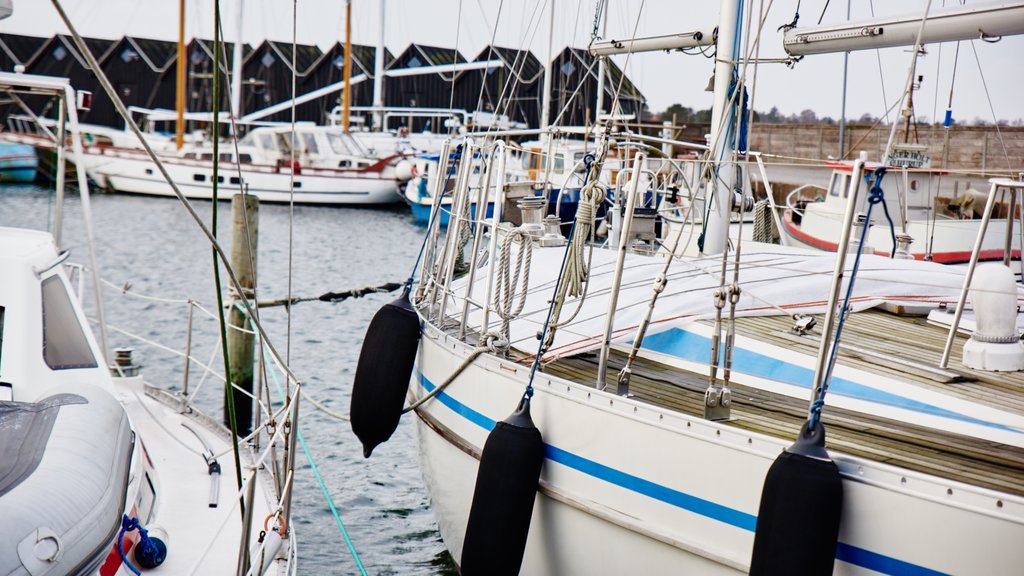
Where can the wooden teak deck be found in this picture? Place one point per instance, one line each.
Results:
(902, 347)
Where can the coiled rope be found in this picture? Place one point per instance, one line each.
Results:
(507, 280)
(575, 273)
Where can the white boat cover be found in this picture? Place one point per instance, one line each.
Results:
(775, 281)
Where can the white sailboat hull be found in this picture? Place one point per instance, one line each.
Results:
(628, 487)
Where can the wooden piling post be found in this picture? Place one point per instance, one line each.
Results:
(244, 232)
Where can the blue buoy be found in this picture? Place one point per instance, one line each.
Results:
(382, 375)
(801, 504)
(506, 486)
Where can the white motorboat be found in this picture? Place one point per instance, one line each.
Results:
(925, 224)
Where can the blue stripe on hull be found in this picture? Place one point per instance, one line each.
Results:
(737, 518)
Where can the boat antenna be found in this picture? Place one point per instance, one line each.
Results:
(909, 85)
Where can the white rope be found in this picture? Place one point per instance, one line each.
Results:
(506, 280)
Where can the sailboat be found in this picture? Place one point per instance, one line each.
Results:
(106, 473)
(716, 407)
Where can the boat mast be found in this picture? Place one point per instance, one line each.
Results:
(378, 75)
(236, 66)
(842, 113)
(908, 94)
(720, 145)
(346, 98)
(602, 64)
(179, 100)
(545, 108)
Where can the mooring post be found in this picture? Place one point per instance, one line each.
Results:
(244, 232)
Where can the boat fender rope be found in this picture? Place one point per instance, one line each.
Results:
(877, 196)
(150, 551)
(876, 192)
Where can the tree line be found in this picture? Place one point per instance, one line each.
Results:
(685, 115)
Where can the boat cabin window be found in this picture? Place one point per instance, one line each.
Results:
(245, 158)
(840, 184)
(266, 142)
(64, 343)
(337, 143)
(539, 161)
(309, 143)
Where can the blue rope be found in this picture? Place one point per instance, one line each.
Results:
(323, 487)
(433, 214)
(127, 525)
(876, 196)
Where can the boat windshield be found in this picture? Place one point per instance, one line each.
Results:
(342, 143)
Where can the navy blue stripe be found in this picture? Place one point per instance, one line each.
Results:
(844, 552)
(880, 563)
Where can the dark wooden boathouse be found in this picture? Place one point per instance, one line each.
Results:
(60, 57)
(514, 89)
(18, 50)
(576, 68)
(199, 90)
(331, 70)
(143, 72)
(428, 90)
(267, 78)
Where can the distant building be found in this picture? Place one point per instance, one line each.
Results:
(60, 57)
(513, 89)
(331, 70)
(428, 90)
(143, 72)
(199, 81)
(574, 89)
(17, 50)
(267, 78)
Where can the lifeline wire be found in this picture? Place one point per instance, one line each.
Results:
(323, 488)
(435, 212)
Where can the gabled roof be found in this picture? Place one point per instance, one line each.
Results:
(575, 60)
(65, 45)
(206, 47)
(157, 54)
(271, 52)
(363, 58)
(22, 49)
(522, 63)
(417, 55)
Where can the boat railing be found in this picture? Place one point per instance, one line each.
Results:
(797, 196)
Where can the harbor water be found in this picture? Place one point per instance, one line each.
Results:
(155, 258)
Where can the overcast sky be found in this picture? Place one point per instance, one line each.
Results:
(814, 83)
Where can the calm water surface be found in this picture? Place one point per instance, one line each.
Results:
(152, 247)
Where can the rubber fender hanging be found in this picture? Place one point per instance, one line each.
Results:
(801, 505)
(382, 374)
(506, 486)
